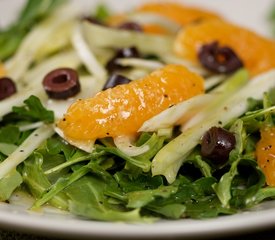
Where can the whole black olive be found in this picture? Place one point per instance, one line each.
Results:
(216, 145)
(219, 59)
(129, 52)
(132, 26)
(7, 87)
(114, 80)
(61, 83)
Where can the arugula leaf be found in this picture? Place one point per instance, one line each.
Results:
(56, 145)
(7, 149)
(37, 182)
(138, 199)
(207, 207)
(247, 184)
(9, 184)
(102, 12)
(33, 110)
(88, 200)
(173, 211)
(9, 134)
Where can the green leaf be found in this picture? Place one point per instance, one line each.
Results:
(138, 199)
(223, 187)
(9, 134)
(7, 149)
(57, 145)
(33, 110)
(88, 200)
(173, 211)
(247, 184)
(207, 207)
(102, 12)
(38, 183)
(9, 184)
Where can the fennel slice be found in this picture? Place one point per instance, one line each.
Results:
(115, 38)
(169, 159)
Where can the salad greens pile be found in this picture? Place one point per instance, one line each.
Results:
(107, 183)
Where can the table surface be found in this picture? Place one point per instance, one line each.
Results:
(268, 234)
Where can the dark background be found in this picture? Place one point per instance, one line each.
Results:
(266, 234)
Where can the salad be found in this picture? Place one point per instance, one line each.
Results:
(164, 111)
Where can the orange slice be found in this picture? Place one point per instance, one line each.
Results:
(155, 29)
(123, 109)
(265, 153)
(2, 70)
(255, 51)
(178, 13)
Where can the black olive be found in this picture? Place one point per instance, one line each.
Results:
(61, 83)
(132, 26)
(216, 145)
(114, 80)
(129, 52)
(219, 59)
(7, 87)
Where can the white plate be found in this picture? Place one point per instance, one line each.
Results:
(249, 13)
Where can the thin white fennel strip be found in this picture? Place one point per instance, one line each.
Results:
(37, 38)
(124, 144)
(25, 149)
(169, 159)
(86, 55)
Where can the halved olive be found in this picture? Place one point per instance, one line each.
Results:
(219, 59)
(61, 83)
(7, 87)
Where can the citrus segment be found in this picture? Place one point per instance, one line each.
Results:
(2, 70)
(265, 153)
(255, 51)
(123, 109)
(178, 13)
(155, 29)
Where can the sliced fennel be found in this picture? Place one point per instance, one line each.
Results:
(173, 59)
(103, 37)
(139, 63)
(87, 146)
(37, 39)
(176, 113)
(30, 126)
(86, 55)
(66, 58)
(182, 112)
(169, 159)
(25, 149)
(214, 80)
(124, 144)
(227, 89)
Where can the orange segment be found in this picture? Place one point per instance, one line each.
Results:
(255, 51)
(155, 29)
(123, 109)
(2, 70)
(116, 20)
(265, 153)
(176, 12)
